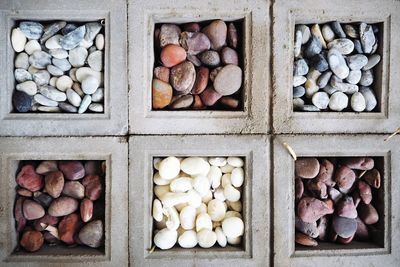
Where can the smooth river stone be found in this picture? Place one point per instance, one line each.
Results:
(51, 30)
(31, 29)
(298, 91)
(354, 76)
(367, 37)
(53, 42)
(195, 42)
(47, 220)
(100, 41)
(74, 189)
(298, 80)
(52, 93)
(72, 39)
(307, 168)
(306, 228)
(183, 101)
(169, 34)
(67, 107)
(347, 88)
(228, 80)
(68, 28)
(359, 163)
(300, 67)
(86, 101)
(311, 209)
(63, 206)
(229, 56)
(338, 30)
(32, 210)
(47, 166)
(96, 107)
(40, 59)
(344, 227)
(41, 77)
(92, 29)
(369, 96)
(319, 63)
(313, 47)
(311, 88)
(22, 61)
(351, 31)
(298, 104)
(32, 240)
(72, 169)
(338, 101)
(54, 183)
(201, 81)
(323, 80)
(86, 210)
(343, 45)
(367, 213)
(92, 234)
(22, 75)
(22, 102)
(305, 240)
(54, 71)
(297, 43)
(372, 62)
(316, 31)
(232, 35)
(18, 40)
(63, 83)
(27, 87)
(210, 58)
(320, 100)
(365, 192)
(346, 208)
(98, 95)
(357, 102)
(95, 60)
(68, 227)
(182, 77)
(367, 78)
(73, 97)
(327, 33)
(305, 33)
(345, 177)
(32, 46)
(62, 64)
(90, 84)
(337, 63)
(42, 100)
(93, 187)
(356, 62)
(77, 56)
(209, 96)
(216, 31)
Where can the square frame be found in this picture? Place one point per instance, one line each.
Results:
(255, 149)
(334, 146)
(255, 116)
(286, 14)
(114, 151)
(114, 120)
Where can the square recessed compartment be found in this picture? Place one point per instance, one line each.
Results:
(252, 114)
(111, 207)
(253, 150)
(113, 80)
(383, 118)
(382, 246)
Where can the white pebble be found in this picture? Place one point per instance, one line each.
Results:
(235, 161)
(32, 46)
(221, 238)
(22, 61)
(232, 213)
(214, 176)
(203, 221)
(195, 166)
(170, 199)
(201, 209)
(77, 56)
(165, 238)
(338, 101)
(233, 227)
(96, 107)
(156, 161)
(99, 41)
(169, 168)
(181, 185)
(53, 81)
(219, 194)
(227, 168)
(207, 197)
(84, 72)
(95, 60)
(188, 217)
(160, 181)
(235, 205)
(226, 180)
(231, 193)
(63, 83)
(27, 87)
(161, 190)
(201, 185)
(358, 102)
(89, 85)
(173, 218)
(194, 199)
(18, 40)
(53, 42)
(98, 95)
(234, 241)
(237, 177)
(157, 210)
(218, 161)
(188, 239)
(206, 238)
(73, 98)
(216, 209)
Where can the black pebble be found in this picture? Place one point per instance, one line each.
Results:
(22, 102)
(319, 63)
(43, 199)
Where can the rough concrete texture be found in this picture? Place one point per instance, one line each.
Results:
(360, 254)
(114, 151)
(255, 117)
(114, 121)
(288, 13)
(255, 150)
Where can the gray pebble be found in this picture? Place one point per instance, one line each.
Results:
(320, 100)
(86, 101)
(67, 107)
(300, 67)
(31, 29)
(40, 59)
(357, 102)
(323, 79)
(351, 31)
(62, 64)
(347, 88)
(337, 63)
(77, 56)
(54, 71)
(183, 101)
(356, 62)
(92, 49)
(41, 77)
(42, 100)
(194, 59)
(298, 91)
(374, 47)
(313, 47)
(22, 61)
(68, 28)
(370, 98)
(28, 87)
(338, 101)
(52, 93)
(337, 29)
(73, 97)
(49, 109)
(327, 33)
(358, 46)
(92, 29)
(329, 89)
(310, 108)
(58, 53)
(298, 103)
(367, 78)
(22, 75)
(367, 37)
(372, 62)
(51, 30)
(305, 33)
(343, 45)
(354, 76)
(210, 58)
(298, 80)
(98, 96)
(72, 39)
(95, 60)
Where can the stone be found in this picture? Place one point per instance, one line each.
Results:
(298, 91)
(29, 179)
(373, 60)
(47, 220)
(32, 210)
(311, 209)
(319, 63)
(93, 187)
(63, 206)
(357, 102)
(201, 81)
(86, 210)
(306, 168)
(32, 240)
(228, 80)
(41, 99)
(18, 40)
(338, 101)
(98, 95)
(210, 58)
(54, 183)
(354, 76)
(365, 192)
(21, 61)
(370, 98)
(63, 83)
(343, 45)
(95, 60)
(92, 29)
(90, 85)
(48, 109)
(337, 29)
(54, 71)
(72, 169)
(299, 189)
(337, 63)
(74, 189)
(216, 31)
(320, 100)
(22, 102)
(53, 81)
(327, 33)
(52, 93)
(214, 72)
(357, 46)
(373, 178)
(232, 35)
(229, 102)
(31, 29)
(27, 87)
(68, 227)
(41, 77)
(345, 177)
(298, 80)
(362, 231)
(73, 38)
(169, 34)
(323, 79)
(300, 67)
(182, 77)
(172, 55)
(317, 188)
(77, 56)
(161, 73)
(73, 97)
(313, 47)
(297, 43)
(351, 31)
(32, 46)
(316, 31)
(99, 41)
(93, 167)
(18, 214)
(305, 240)
(51, 30)
(346, 208)
(47, 166)
(68, 28)
(194, 42)
(92, 234)
(24, 192)
(367, 213)
(305, 33)
(229, 56)
(343, 87)
(40, 59)
(309, 229)
(310, 108)
(43, 199)
(161, 94)
(53, 42)
(344, 227)
(181, 102)
(367, 78)
(233, 227)
(210, 96)
(96, 107)
(325, 173)
(62, 64)
(367, 37)
(86, 101)
(323, 228)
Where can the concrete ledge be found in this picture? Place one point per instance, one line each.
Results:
(360, 254)
(255, 149)
(114, 151)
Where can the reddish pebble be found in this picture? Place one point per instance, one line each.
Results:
(32, 210)
(93, 188)
(161, 73)
(365, 192)
(29, 179)
(209, 96)
(68, 227)
(54, 183)
(47, 220)
(319, 189)
(74, 189)
(229, 102)
(24, 192)
(323, 228)
(298, 188)
(346, 208)
(232, 35)
(311, 209)
(359, 163)
(305, 240)
(47, 166)
(362, 233)
(345, 177)
(229, 56)
(325, 174)
(32, 240)
(172, 55)
(373, 178)
(86, 210)
(197, 103)
(306, 168)
(63, 206)
(18, 214)
(72, 169)
(345, 240)
(201, 81)
(191, 27)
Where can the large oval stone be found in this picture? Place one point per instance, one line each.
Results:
(92, 234)
(344, 227)
(72, 169)
(228, 80)
(182, 77)
(54, 183)
(32, 240)
(68, 227)
(29, 179)
(63, 206)
(216, 32)
(93, 187)
(32, 210)
(306, 168)
(161, 94)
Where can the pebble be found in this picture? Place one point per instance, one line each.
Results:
(96, 107)
(31, 29)
(32, 46)
(68, 227)
(89, 85)
(344, 227)
(182, 77)
(337, 63)
(63, 206)
(343, 45)
(95, 60)
(309, 229)
(22, 61)
(305, 33)
(357, 62)
(53, 42)
(327, 33)
(297, 43)
(74, 189)
(41, 77)
(100, 42)
(22, 102)
(201, 81)
(367, 78)
(319, 63)
(63, 83)
(311, 88)
(73, 97)
(161, 73)
(169, 34)
(210, 58)
(27, 87)
(367, 213)
(45, 101)
(338, 30)
(77, 56)
(92, 234)
(298, 103)
(354, 76)
(161, 94)
(92, 29)
(316, 31)
(54, 183)
(54, 71)
(165, 238)
(22, 75)
(216, 31)
(370, 99)
(305, 240)
(32, 210)
(311, 209)
(367, 37)
(32, 240)
(229, 56)
(365, 192)
(345, 177)
(194, 42)
(51, 30)
(298, 80)
(40, 59)
(209, 96)
(86, 210)
(228, 80)
(323, 79)
(346, 208)
(67, 107)
(62, 64)
(73, 38)
(52, 93)
(298, 91)
(181, 102)
(18, 40)
(68, 28)
(338, 101)
(72, 169)
(172, 55)
(358, 103)
(83, 72)
(373, 60)
(313, 47)
(49, 109)
(307, 168)
(188, 239)
(320, 100)
(232, 35)
(300, 67)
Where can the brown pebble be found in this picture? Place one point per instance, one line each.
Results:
(232, 35)
(209, 96)
(32, 210)
(93, 188)
(63, 206)
(305, 240)
(373, 178)
(229, 56)
(201, 80)
(29, 179)
(182, 102)
(72, 169)
(325, 174)
(229, 102)
(24, 192)
(74, 189)
(306, 168)
(32, 241)
(359, 163)
(162, 73)
(68, 227)
(78, 89)
(191, 27)
(362, 233)
(18, 214)
(92, 234)
(86, 210)
(54, 183)
(93, 167)
(298, 188)
(216, 31)
(197, 103)
(47, 166)
(182, 77)
(365, 192)
(367, 213)
(161, 94)
(345, 177)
